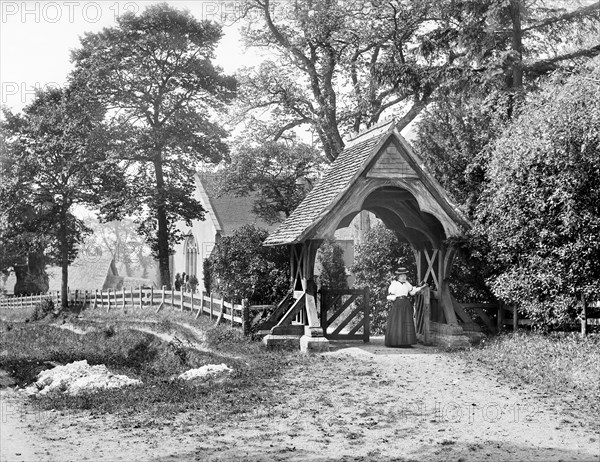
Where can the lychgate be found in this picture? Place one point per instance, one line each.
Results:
(377, 172)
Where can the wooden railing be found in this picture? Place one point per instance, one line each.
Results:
(217, 308)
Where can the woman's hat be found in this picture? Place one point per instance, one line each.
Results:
(401, 271)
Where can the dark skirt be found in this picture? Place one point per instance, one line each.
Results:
(400, 329)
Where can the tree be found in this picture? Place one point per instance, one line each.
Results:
(154, 73)
(280, 172)
(540, 211)
(242, 268)
(375, 263)
(331, 260)
(57, 151)
(342, 65)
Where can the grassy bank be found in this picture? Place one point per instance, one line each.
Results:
(125, 348)
(564, 366)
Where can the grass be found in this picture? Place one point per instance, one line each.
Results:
(561, 365)
(28, 348)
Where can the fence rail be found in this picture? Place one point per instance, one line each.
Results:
(216, 307)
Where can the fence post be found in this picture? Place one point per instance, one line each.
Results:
(108, 307)
(192, 297)
(201, 309)
(232, 312)
(583, 317)
(211, 306)
(367, 315)
(172, 298)
(500, 316)
(515, 318)
(245, 317)
(181, 300)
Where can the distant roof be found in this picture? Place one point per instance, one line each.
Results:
(229, 212)
(87, 272)
(350, 165)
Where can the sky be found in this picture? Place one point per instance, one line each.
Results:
(36, 38)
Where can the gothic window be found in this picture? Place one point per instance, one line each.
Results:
(191, 255)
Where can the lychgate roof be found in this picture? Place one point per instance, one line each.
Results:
(379, 156)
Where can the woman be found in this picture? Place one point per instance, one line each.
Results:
(400, 329)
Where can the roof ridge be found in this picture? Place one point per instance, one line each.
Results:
(378, 126)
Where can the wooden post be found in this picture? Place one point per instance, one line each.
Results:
(181, 300)
(108, 308)
(500, 319)
(515, 318)
(192, 300)
(211, 306)
(132, 298)
(427, 315)
(367, 316)
(141, 298)
(172, 297)
(123, 295)
(232, 312)
(201, 309)
(151, 296)
(162, 299)
(583, 317)
(245, 317)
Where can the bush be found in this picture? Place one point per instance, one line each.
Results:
(540, 212)
(333, 270)
(242, 268)
(42, 309)
(375, 263)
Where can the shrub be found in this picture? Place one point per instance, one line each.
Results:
(333, 270)
(242, 268)
(540, 212)
(42, 309)
(375, 263)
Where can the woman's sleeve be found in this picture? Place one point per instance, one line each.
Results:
(413, 290)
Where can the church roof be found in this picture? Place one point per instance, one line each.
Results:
(227, 211)
(353, 162)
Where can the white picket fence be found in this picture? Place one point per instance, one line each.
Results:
(215, 307)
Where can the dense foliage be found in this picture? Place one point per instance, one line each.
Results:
(330, 259)
(155, 71)
(279, 172)
(375, 263)
(56, 158)
(540, 211)
(242, 268)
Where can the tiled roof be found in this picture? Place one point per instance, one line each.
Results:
(87, 272)
(230, 211)
(344, 169)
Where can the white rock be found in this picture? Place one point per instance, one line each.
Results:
(203, 371)
(76, 377)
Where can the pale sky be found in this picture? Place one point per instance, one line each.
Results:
(36, 38)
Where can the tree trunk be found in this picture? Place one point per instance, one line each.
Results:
(163, 227)
(31, 276)
(517, 45)
(64, 263)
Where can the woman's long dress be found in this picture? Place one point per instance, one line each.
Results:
(400, 329)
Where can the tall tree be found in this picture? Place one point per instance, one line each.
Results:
(57, 159)
(154, 73)
(540, 209)
(511, 46)
(280, 172)
(341, 65)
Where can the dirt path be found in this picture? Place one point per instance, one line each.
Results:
(359, 402)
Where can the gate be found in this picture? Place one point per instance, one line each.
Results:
(345, 314)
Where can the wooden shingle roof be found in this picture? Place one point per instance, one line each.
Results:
(370, 155)
(344, 169)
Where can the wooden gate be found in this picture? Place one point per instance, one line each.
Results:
(345, 314)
